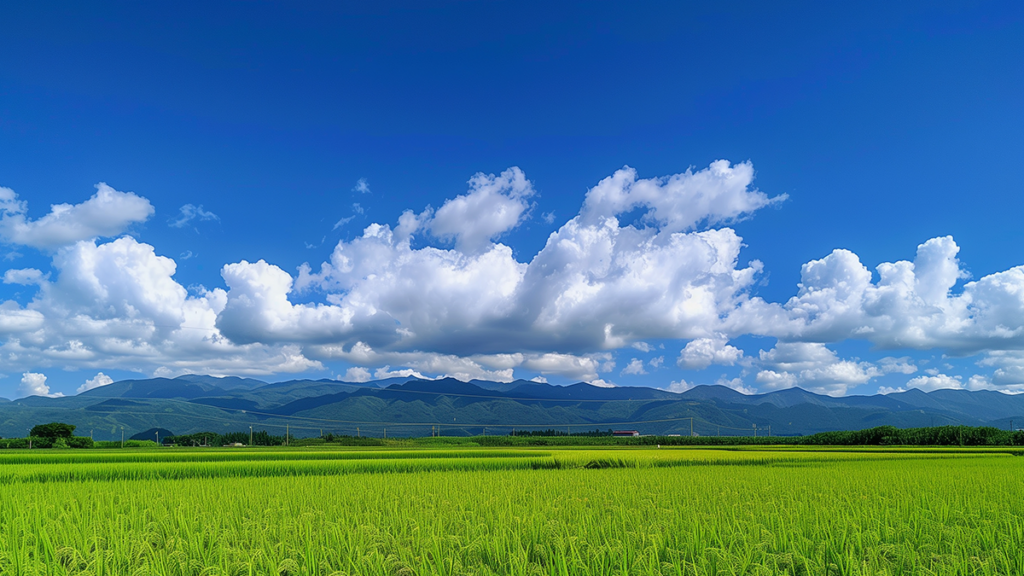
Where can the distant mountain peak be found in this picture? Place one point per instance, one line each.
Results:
(194, 402)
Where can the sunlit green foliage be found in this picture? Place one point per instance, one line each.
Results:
(53, 430)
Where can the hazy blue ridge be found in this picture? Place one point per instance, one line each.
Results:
(411, 406)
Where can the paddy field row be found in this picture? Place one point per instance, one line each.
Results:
(478, 511)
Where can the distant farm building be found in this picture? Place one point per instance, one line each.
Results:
(625, 433)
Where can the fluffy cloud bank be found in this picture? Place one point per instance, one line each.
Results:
(117, 305)
(97, 381)
(437, 293)
(107, 213)
(492, 207)
(703, 352)
(814, 367)
(911, 304)
(33, 384)
(596, 285)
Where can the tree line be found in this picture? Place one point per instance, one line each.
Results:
(261, 438)
(52, 435)
(878, 436)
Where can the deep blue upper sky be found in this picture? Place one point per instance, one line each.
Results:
(885, 124)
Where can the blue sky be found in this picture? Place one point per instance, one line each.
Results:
(882, 126)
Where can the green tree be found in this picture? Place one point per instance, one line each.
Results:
(53, 430)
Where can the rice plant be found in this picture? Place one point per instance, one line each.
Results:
(625, 511)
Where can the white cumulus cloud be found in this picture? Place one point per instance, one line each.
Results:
(387, 372)
(25, 276)
(812, 366)
(938, 382)
(107, 213)
(736, 384)
(117, 305)
(642, 346)
(437, 293)
(910, 306)
(635, 366)
(97, 381)
(1009, 368)
(34, 384)
(596, 285)
(495, 367)
(720, 193)
(679, 386)
(493, 206)
(356, 374)
(703, 352)
(901, 365)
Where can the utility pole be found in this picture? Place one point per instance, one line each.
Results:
(158, 438)
(691, 423)
(90, 431)
(285, 434)
(29, 439)
(357, 432)
(250, 435)
(385, 433)
(122, 436)
(755, 430)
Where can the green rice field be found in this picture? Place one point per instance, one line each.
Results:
(629, 510)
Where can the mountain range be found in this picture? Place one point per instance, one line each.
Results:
(417, 407)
